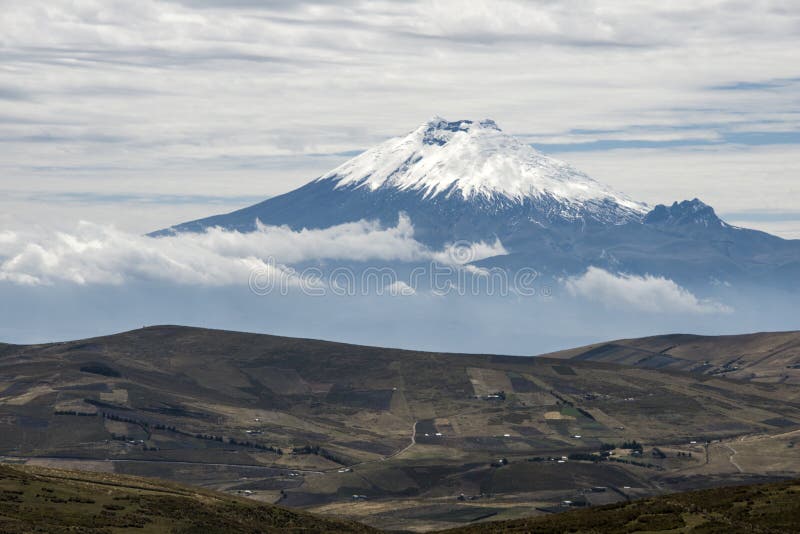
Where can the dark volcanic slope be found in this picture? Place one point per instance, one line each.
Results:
(764, 357)
(54, 501)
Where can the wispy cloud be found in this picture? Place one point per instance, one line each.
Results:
(764, 215)
(13, 93)
(89, 197)
(779, 83)
(651, 294)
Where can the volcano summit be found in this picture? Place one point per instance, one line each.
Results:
(469, 180)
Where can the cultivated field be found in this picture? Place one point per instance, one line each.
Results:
(397, 439)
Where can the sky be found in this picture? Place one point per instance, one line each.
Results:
(118, 118)
(144, 114)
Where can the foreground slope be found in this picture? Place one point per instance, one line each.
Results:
(771, 508)
(50, 500)
(54, 501)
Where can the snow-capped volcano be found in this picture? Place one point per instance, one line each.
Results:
(455, 180)
(468, 180)
(477, 160)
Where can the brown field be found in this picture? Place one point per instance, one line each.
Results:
(310, 424)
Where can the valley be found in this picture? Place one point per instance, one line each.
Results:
(396, 439)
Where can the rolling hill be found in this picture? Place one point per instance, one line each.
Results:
(398, 439)
(772, 357)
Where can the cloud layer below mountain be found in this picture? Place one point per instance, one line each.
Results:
(94, 279)
(94, 254)
(652, 294)
(98, 254)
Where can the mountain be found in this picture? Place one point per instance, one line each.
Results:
(468, 180)
(689, 213)
(686, 242)
(309, 424)
(455, 180)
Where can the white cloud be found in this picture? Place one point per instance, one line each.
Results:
(7, 237)
(94, 254)
(646, 293)
(98, 254)
(464, 252)
(400, 289)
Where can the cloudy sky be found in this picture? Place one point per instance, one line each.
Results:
(118, 118)
(146, 113)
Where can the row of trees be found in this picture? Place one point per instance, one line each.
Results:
(319, 451)
(146, 426)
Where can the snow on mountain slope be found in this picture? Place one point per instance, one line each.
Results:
(472, 159)
(454, 180)
(469, 181)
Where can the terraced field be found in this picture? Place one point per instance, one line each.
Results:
(395, 438)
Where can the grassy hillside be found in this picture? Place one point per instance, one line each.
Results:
(773, 508)
(390, 437)
(55, 501)
(769, 357)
